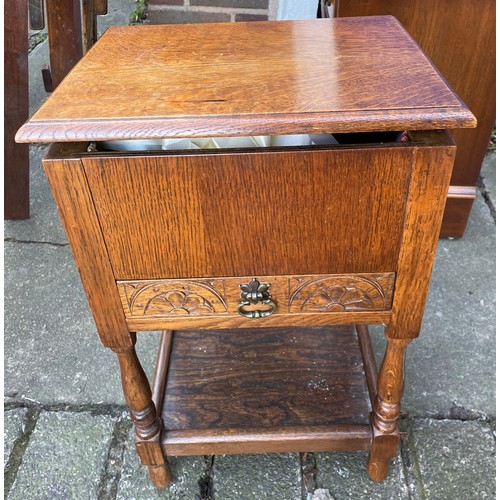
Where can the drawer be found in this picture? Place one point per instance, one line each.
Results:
(281, 296)
(335, 210)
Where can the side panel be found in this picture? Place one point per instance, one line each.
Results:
(427, 198)
(73, 199)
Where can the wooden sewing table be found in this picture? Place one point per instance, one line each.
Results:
(263, 266)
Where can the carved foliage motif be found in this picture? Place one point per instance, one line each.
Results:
(341, 293)
(304, 294)
(173, 298)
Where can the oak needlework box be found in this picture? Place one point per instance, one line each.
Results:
(262, 265)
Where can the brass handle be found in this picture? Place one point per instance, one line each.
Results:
(256, 313)
(255, 293)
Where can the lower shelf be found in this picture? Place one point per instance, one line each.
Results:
(263, 390)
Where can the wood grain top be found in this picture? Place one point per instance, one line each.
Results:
(321, 75)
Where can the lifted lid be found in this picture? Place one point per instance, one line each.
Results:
(276, 77)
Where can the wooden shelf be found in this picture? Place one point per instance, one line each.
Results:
(264, 390)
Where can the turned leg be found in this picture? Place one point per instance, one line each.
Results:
(386, 409)
(147, 424)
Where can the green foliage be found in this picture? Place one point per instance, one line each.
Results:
(493, 141)
(139, 13)
(36, 39)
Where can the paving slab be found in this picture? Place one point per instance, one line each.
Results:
(118, 14)
(345, 476)
(488, 173)
(247, 477)
(65, 457)
(321, 494)
(450, 369)
(135, 483)
(14, 422)
(52, 351)
(456, 459)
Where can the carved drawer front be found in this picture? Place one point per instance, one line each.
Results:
(226, 296)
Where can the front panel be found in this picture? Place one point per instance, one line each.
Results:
(241, 213)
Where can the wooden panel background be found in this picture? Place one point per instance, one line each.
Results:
(64, 26)
(251, 214)
(16, 110)
(459, 38)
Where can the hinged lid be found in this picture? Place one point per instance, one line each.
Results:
(275, 77)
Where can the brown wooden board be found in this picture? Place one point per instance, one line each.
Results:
(36, 15)
(16, 108)
(288, 439)
(252, 213)
(271, 378)
(90, 10)
(236, 321)
(65, 39)
(341, 75)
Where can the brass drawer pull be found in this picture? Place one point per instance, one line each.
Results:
(255, 293)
